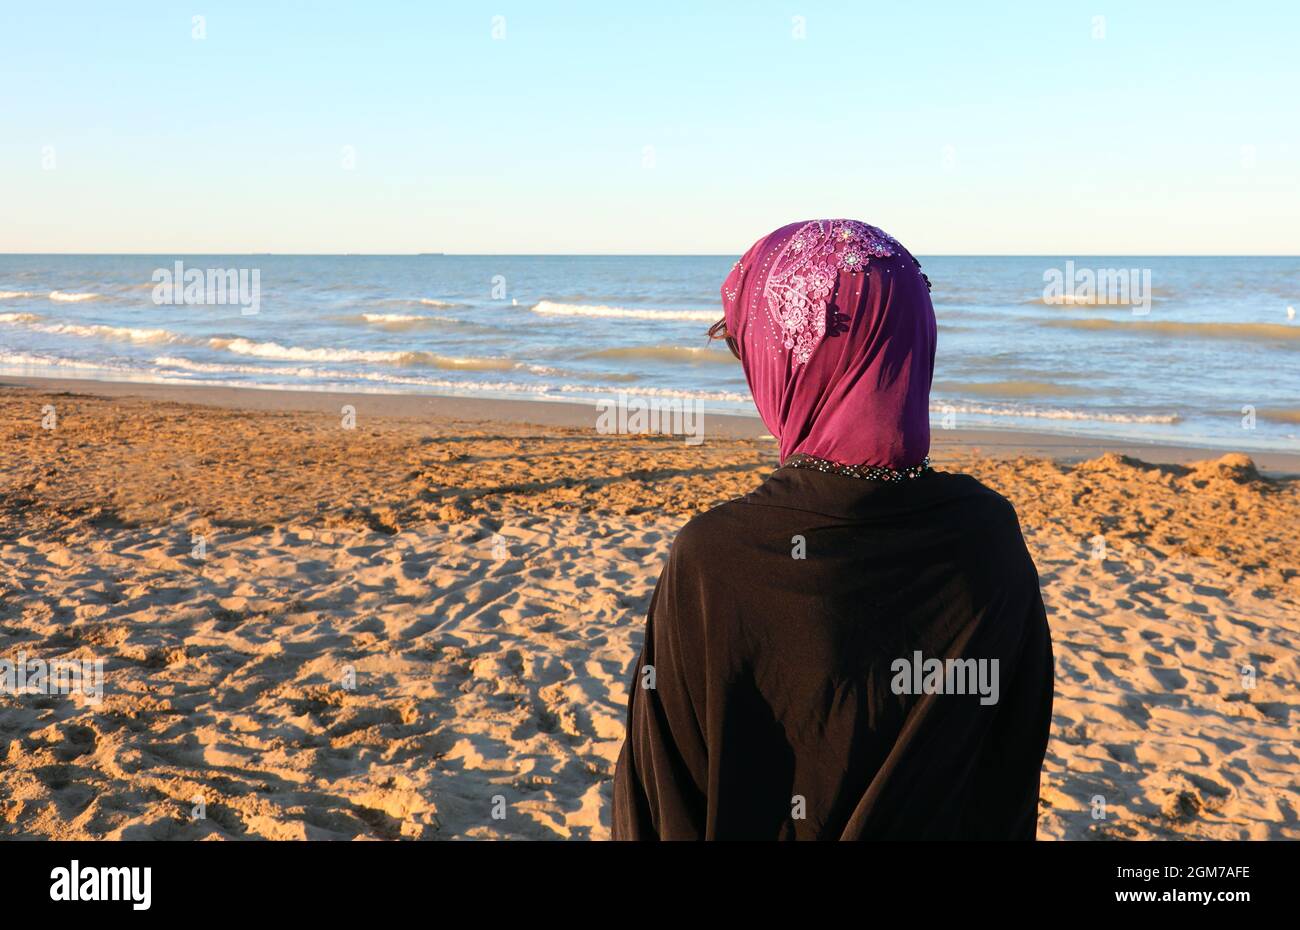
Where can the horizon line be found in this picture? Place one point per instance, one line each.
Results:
(645, 254)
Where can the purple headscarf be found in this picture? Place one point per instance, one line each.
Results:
(836, 334)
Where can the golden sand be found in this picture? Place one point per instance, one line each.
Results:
(402, 629)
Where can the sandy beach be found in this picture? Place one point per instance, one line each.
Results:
(421, 626)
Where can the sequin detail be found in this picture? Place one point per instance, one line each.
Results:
(868, 472)
(731, 293)
(803, 276)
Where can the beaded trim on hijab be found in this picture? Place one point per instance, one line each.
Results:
(869, 472)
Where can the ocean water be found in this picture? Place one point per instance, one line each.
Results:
(1213, 360)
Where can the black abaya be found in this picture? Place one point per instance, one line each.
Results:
(775, 696)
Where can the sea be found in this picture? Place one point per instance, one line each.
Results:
(1182, 350)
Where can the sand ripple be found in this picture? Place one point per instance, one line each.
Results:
(394, 626)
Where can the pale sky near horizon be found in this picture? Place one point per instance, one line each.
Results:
(669, 127)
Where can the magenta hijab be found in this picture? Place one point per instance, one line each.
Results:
(836, 334)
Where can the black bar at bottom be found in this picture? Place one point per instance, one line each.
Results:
(583, 882)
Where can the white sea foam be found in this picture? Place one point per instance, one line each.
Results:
(550, 308)
(73, 297)
(185, 364)
(401, 322)
(276, 351)
(27, 360)
(1052, 413)
(382, 378)
(17, 295)
(731, 397)
(126, 333)
(391, 317)
(96, 330)
(169, 368)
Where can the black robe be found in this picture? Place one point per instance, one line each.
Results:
(775, 709)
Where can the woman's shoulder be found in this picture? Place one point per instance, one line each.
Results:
(710, 527)
(969, 491)
(987, 525)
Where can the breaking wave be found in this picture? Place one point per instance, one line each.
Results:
(548, 308)
(1053, 413)
(278, 352)
(97, 330)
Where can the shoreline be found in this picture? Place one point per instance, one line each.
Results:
(1061, 447)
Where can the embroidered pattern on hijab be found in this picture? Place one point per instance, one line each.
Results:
(803, 276)
(835, 330)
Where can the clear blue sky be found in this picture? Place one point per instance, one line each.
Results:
(958, 127)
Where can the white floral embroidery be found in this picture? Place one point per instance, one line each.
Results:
(802, 280)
